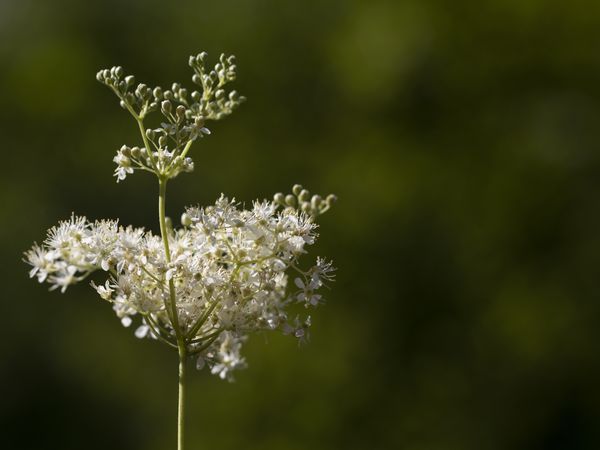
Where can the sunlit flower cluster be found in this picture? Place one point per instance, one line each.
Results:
(228, 267)
(204, 287)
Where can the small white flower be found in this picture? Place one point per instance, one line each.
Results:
(63, 278)
(41, 260)
(307, 294)
(121, 173)
(105, 291)
(298, 329)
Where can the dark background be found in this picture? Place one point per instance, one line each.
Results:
(463, 141)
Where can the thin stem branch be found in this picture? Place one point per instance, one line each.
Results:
(140, 123)
(196, 327)
(186, 148)
(203, 339)
(204, 346)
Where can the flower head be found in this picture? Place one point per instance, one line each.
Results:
(204, 287)
(229, 269)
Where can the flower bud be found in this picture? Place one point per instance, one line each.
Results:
(129, 80)
(304, 195)
(331, 199)
(315, 202)
(279, 198)
(141, 91)
(290, 200)
(119, 71)
(180, 111)
(196, 79)
(166, 106)
(150, 134)
(158, 93)
(186, 220)
(297, 189)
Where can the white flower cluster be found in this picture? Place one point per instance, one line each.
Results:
(227, 274)
(203, 288)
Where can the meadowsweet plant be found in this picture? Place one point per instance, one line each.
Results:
(200, 289)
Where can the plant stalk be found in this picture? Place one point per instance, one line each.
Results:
(172, 309)
(181, 405)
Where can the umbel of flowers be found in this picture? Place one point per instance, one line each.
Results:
(202, 288)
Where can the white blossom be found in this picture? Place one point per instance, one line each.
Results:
(229, 268)
(298, 329)
(203, 288)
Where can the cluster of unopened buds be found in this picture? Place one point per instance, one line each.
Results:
(300, 198)
(184, 115)
(203, 287)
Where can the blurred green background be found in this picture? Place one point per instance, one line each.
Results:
(463, 140)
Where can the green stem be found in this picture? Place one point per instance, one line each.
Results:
(162, 194)
(186, 148)
(181, 406)
(172, 308)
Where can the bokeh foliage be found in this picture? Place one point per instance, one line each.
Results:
(462, 140)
